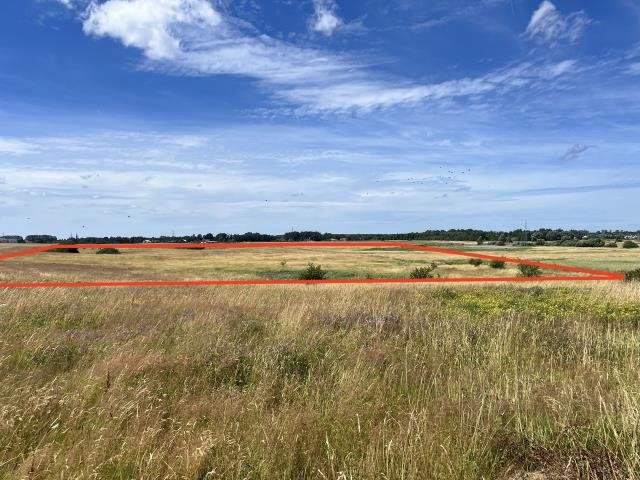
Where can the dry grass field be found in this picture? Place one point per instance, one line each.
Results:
(287, 263)
(317, 382)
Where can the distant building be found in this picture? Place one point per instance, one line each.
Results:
(11, 239)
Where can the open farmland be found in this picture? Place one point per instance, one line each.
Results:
(318, 381)
(339, 262)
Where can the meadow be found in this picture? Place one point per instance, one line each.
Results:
(319, 382)
(288, 263)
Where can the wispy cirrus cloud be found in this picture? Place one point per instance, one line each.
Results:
(13, 146)
(548, 25)
(190, 37)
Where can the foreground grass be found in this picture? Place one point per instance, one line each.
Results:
(320, 382)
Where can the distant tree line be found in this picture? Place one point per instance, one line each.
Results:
(541, 236)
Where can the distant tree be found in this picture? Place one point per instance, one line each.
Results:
(41, 239)
(629, 244)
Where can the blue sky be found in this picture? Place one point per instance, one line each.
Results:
(153, 116)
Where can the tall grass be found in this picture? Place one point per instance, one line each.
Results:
(320, 382)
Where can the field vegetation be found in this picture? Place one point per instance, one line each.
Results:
(196, 262)
(320, 381)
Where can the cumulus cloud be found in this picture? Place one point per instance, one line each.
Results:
(151, 25)
(548, 25)
(325, 20)
(576, 150)
(189, 37)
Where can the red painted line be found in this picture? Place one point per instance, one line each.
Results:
(22, 253)
(590, 275)
(552, 266)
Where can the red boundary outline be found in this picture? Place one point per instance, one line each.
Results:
(590, 275)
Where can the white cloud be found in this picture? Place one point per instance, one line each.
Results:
(359, 94)
(633, 69)
(548, 25)
(561, 68)
(188, 37)
(14, 146)
(325, 20)
(66, 3)
(151, 25)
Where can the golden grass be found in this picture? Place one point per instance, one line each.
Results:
(317, 382)
(320, 382)
(283, 263)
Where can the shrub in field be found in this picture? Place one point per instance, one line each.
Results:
(64, 250)
(108, 251)
(496, 264)
(612, 245)
(476, 262)
(529, 270)
(590, 242)
(629, 244)
(423, 272)
(541, 242)
(632, 275)
(312, 272)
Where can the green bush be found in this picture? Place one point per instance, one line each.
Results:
(423, 272)
(612, 245)
(313, 272)
(476, 262)
(629, 244)
(529, 270)
(496, 264)
(541, 242)
(108, 251)
(64, 250)
(590, 242)
(632, 276)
